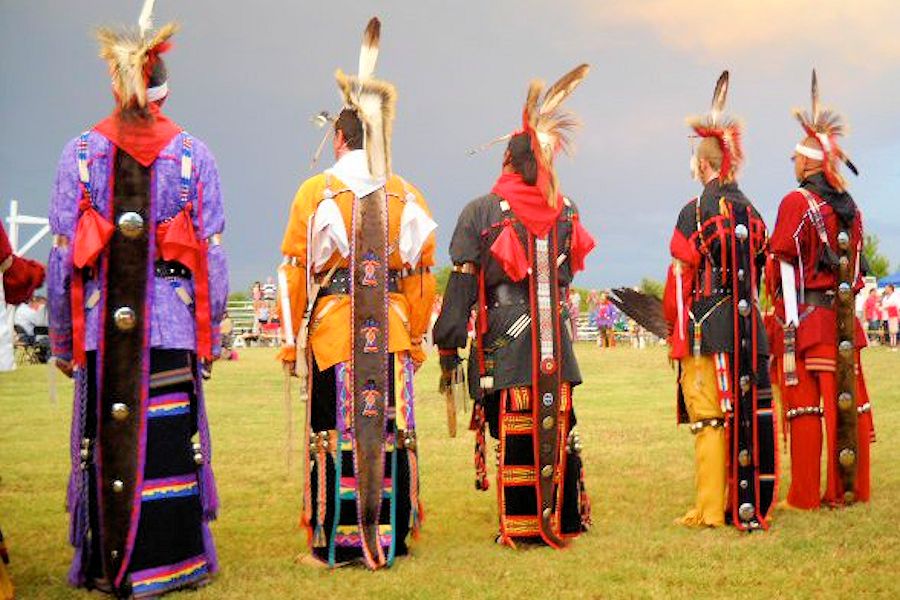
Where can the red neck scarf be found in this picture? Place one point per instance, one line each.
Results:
(528, 203)
(143, 139)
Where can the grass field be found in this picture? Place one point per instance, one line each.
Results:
(639, 473)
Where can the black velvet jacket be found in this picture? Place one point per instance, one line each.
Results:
(507, 344)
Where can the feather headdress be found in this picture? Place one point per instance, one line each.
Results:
(725, 130)
(373, 100)
(131, 56)
(549, 126)
(826, 126)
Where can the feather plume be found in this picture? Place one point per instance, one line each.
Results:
(814, 92)
(127, 55)
(374, 101)
(145, 20)
(377, 100)
(368, 52)
(826, 125)
(720, 94)
(530, 113)
(561, 90)
(162, 36)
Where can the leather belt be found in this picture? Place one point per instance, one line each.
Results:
(825, 299)
(171, 268)
(507, 294)
(340, 283)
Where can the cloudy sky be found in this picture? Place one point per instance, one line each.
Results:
(246, 76)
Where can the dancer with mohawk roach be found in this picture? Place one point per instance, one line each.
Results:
(716, 333)
(515, 252)
(356, 299)
(818, 267)
(137, 285)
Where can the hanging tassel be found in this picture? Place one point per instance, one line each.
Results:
(209, 498)
(417, 516)
(698, 339)
(77, 494)
(319, 540)
(478, 425)
(584, 502)
(790, 356)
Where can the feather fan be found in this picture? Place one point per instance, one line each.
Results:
(646, 310)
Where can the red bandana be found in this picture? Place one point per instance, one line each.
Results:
(528, 203)
(143, 139)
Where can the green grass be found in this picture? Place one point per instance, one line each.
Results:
(639, 473)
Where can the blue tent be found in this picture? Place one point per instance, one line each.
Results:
(893, 280)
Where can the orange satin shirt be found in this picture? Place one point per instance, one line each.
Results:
(329, 327)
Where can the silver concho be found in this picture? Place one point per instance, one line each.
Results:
(847, 457)
(845, 346)
(131, 225)
(119, 411)
(844, 290)
(125, 318)
(548, 512)
(843, 240)
(745, 383)
(118, 486)
(744, 307)
(740, 232)
(845, 400)
(746, 511)
(547, 399)
(741, 274)
(744, 484)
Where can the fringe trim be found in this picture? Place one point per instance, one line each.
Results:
(209, 498)
(417, 515)
(77, 494)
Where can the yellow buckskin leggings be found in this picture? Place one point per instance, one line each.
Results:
(6, 587)
(701, 397)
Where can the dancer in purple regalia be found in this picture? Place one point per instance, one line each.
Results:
(137, 286)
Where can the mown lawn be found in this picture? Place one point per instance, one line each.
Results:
(640, 476)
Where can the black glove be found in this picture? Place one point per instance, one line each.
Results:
(449, 363)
